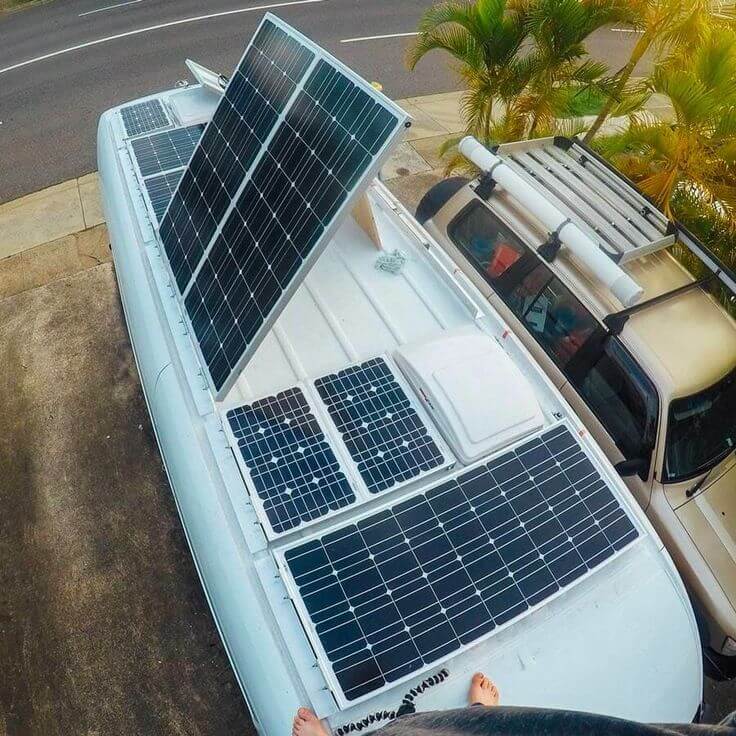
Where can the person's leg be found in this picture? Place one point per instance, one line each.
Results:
(306, 723)
(482, 691)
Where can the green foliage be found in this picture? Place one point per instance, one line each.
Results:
(575, 102)
(519, 59)
(667, 27)
(692, 158)
(715, 232)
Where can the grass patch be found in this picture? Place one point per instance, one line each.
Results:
(10, 6)
(577, 103)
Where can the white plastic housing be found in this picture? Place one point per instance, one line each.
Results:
(473, 391)
(624, 288)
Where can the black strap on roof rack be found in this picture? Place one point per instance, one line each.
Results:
(551, 247)
(615, 322)
(487, 183)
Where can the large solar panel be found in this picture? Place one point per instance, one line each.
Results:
(161, 189)
(144, 117)
(256, 95)
(291, 465)
(406, 586)
(334, 132)
(170, 149)
(382, 431)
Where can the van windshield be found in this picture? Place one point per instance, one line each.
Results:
(702, 430)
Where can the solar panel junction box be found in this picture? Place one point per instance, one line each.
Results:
(473, 391)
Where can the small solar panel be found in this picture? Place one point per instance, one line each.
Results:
(144, 117)
(382, 431)
(327, 145)
(161, 189)
(291, 465)
(256, 95)
(406, 586)
(170, 149)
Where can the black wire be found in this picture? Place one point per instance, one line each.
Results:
(407, 706)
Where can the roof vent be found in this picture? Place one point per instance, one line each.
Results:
(474, 392)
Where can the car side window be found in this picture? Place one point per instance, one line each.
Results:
(623, 398)
(608, 379)
(489, 244)
(555, 318)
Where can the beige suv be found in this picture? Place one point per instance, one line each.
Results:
(655, 382)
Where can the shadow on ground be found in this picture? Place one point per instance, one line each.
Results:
(103, 625)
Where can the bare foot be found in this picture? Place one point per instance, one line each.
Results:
(307, 724)
(482, 690)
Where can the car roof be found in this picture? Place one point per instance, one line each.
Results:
(692, 337)
(686, 343)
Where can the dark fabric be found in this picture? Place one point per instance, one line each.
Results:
(510, 721)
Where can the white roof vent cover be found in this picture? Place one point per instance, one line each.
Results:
(474, 392)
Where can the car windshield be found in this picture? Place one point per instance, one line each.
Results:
(702, 430)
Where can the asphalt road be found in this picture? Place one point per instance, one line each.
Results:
(49, 107)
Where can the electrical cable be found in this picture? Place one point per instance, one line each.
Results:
(407, 706)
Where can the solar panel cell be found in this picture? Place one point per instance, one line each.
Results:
(170, 149)
(144, 117)
(257, 94)
(291, 465)
(160, 190)
(382, 431)
(410, 584)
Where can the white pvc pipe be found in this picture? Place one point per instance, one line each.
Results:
(586, 251)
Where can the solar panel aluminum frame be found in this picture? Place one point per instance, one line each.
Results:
(370, 173)
(292, 588)
(449, 458)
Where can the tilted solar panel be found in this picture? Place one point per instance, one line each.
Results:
(170, 149)
(256, 95)
(382, 431)
(406, 586)
(289, 460)
(144, 117)
(332, 136)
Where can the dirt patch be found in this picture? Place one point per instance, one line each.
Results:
(103, 625)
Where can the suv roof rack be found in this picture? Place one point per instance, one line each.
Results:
(623, 222)
(608, 207)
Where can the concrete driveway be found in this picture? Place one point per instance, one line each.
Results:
(103, 625)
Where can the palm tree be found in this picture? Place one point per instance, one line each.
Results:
(687, 165)
(516, 57)
(485, 39)
(558, 58)
(664, 25)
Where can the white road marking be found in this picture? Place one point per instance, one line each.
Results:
(137, 31)
(373, 38)
(110, 7)
(627, 30)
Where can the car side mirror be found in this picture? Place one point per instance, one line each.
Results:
(627, 468)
